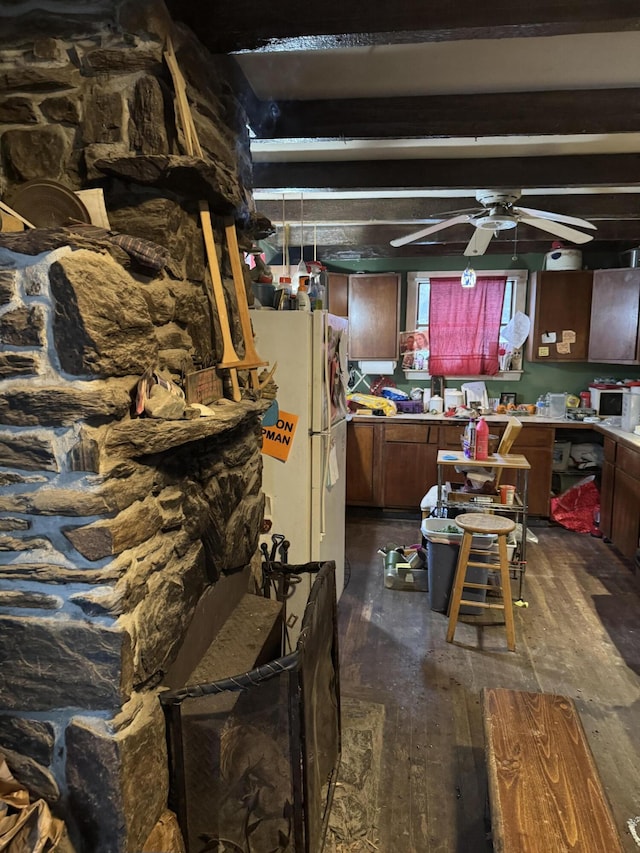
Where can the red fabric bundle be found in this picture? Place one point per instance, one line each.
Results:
(575, 509)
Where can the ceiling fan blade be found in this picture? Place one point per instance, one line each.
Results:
(402, 241)
(557, 229)
(555, 217)
(477, 245)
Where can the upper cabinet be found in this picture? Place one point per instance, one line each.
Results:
(560, 312)
(372, 304)
(615, 310)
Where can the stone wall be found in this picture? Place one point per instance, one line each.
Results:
(112, 526)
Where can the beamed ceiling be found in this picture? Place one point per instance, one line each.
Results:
(373, 120)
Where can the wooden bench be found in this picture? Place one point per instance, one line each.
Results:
(545, 793)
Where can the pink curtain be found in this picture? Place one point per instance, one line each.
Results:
(464, 326)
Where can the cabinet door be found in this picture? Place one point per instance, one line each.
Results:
(614, 317)
(625, 516)
(373, 316)
(409, 464)
(607, 479)
(559, 302)
(625, 520)
(338, 294)
(536, 444)
(363, 464)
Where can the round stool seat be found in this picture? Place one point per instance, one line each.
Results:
(477, 522)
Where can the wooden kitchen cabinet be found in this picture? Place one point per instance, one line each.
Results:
(625, 515)
(607, 485)
(533, 442)
(408, 464)
(560, 302)
(372, 304)
(536, 444)
(363, 464)
(615, 317)
(338, 294)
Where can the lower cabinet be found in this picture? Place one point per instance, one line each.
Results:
(393, 465)
(408, 464)
(536, 444)
(607, 485)
(625, 511)
(363, 464)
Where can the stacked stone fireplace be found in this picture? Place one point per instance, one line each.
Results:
(114, 527)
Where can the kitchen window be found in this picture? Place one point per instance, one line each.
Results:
(418, 300)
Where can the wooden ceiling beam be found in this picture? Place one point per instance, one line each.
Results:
(593, 170)
(335, 253)
(287, 24)
(353, 236)
(415, 211)
(443, 116)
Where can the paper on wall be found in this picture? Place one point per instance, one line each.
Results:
(475, 392)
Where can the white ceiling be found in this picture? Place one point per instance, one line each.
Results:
(600, 60)
(560, 63)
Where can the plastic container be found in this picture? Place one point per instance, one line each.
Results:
(557, 405)
(304, 303)
(563, 259)
(507, 494)
(436, 405)
(469, 443)
(482, 439)
(453, 398)
(438, 529)
(441, 565)
(401, 573)
(409, 407)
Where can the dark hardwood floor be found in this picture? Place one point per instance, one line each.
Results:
(579, 636)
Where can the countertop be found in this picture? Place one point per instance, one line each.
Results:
(627, 438)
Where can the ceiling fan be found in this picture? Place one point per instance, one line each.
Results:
(499, 213)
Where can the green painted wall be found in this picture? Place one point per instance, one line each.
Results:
(536, 378)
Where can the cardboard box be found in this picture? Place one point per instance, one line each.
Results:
(561, 455)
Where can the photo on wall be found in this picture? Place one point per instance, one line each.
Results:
(414, 349)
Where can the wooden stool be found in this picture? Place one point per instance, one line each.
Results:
(483, 523)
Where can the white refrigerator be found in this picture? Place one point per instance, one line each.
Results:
(305, 494)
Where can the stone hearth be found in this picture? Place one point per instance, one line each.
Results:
(113, 527)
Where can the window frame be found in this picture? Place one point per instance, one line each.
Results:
(518, 277)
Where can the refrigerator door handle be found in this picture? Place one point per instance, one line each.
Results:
(326, 433)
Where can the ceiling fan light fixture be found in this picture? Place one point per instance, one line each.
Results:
(468, 277)
(496, 220)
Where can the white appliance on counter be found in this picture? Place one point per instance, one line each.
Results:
(631, 410)
(607, 400)
(306, 493)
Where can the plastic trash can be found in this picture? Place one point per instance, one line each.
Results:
(441, 565)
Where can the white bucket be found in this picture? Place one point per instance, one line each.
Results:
(563, 259)
(453, 398)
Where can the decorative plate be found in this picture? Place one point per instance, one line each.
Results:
(48, 204)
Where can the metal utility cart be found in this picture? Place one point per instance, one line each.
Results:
(450, 498)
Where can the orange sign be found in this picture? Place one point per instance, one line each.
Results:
(277, 439)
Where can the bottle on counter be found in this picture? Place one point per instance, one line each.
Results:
(469, 442)
(302, 299)
(540, 406)
(283, 293)
(482, 439)
(321, 299)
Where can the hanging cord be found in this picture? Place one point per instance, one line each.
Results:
(285, 237)
(301, 227)
(315, 242)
